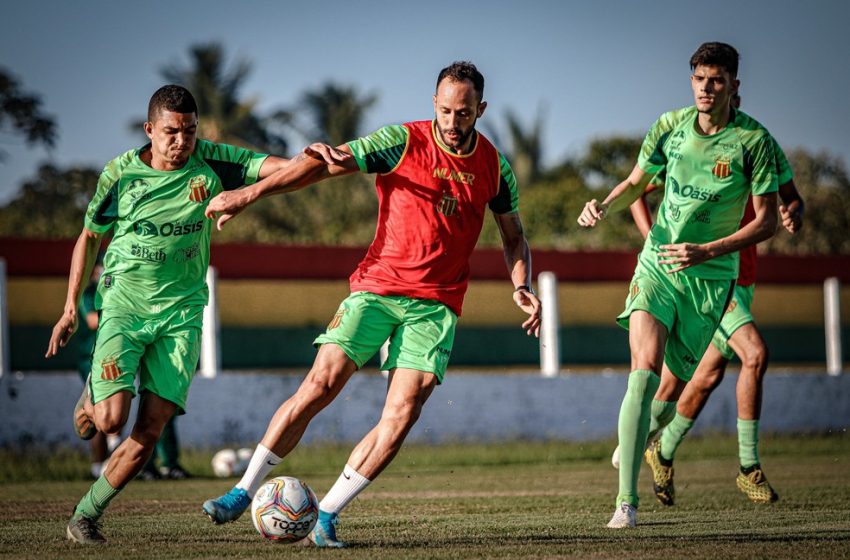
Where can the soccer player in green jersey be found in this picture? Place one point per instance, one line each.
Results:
(737, 335)
(435, 180)
(714, 157)
(153, 290)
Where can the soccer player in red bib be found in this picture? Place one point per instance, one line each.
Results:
(435, 180)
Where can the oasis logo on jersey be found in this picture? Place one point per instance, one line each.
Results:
(453, 175)
(146, 228)
(198, 191)
(690, 191)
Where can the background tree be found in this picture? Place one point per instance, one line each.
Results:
(608, 161)
(20, 113)
(526, 147)
(337, 112)
(824, 185)
(223, 115)
(51, 205)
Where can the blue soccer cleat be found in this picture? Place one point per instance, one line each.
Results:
(323, 534)
(229, 507)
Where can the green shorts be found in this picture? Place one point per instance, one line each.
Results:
(164, 351)
(421, 331)
(737, 315)
(689, 307)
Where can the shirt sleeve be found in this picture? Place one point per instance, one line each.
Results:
(652, 158)
(234, 166)
(760, 162)
(507, 198)
(784, 173)
(103, 207)
(382, 150)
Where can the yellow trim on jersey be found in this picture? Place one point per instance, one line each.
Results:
(446, 148)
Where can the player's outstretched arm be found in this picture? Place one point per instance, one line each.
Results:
(82, 262)
(640, 211)
(518, 259)
(622, 196)
(271, 165)
(314, 164)
(763, 226)
(792, 207)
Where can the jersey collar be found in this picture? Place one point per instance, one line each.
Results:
(449, 150)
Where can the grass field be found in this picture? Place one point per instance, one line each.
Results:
(518, 500)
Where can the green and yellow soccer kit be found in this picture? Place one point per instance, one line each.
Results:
(707, 182)
(153, 288)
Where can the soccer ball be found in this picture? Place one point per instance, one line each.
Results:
(243, 459)
(285, 510)
(224, 462)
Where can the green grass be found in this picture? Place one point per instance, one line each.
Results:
(518, 500)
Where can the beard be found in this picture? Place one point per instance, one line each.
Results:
(462, 136)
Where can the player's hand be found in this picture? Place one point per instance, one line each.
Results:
(62, 333)
(592, 214)
(529, 303)
(792, 216)
(225, 206)
(326, 153)
(682, 255)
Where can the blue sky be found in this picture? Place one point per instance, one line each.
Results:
(595, 68)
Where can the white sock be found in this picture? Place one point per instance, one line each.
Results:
(97, 469)
(112, 442)
(347, 486)
(262, 462)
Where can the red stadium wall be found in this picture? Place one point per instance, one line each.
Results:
(28, 257)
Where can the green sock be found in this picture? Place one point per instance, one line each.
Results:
(96, 499)
(662, 413)
(673, 435)
(166, 448)
(633, 428)
(748, 442)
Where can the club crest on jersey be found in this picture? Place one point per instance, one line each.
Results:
(634, 290)
(447, 205)
(722, 168)
(337, 319)
(732, 305)
(198, 191)
(110, 369)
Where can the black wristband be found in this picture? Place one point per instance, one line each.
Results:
(524, 287)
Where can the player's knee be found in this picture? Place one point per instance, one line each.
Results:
(756, 359)
(316, 390)
(110, 420)
(405, 411)
(708, 382)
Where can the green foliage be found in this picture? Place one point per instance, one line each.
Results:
(824, 185)
(337, 112)
(222, 115)
(21, 111)
(51, 205)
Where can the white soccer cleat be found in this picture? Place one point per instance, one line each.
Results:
(625, 517)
